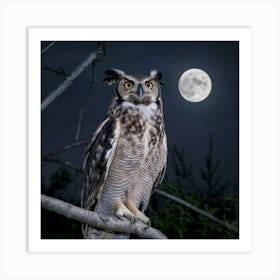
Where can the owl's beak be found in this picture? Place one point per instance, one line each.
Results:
(140, 91)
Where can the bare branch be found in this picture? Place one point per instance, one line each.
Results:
(99, 221)
(195, 209)
(65, 148)
(69, 80)
(48, 46)
(59, 71)
(62, 162)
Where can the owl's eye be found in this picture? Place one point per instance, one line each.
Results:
(149, 85)
(128, 84)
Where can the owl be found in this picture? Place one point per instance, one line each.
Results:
(126, 157)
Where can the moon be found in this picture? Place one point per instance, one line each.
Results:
(195, 85)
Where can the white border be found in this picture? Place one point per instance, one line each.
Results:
(243, 35)
(263, 16)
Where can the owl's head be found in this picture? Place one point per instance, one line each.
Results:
(135, 89)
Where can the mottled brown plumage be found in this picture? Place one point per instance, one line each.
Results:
(126, 157)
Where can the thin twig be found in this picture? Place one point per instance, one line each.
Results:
(65, 148)
(62, 162)
(69, 80)
(98, 221)
(195, 209)
(101, 50)
(83, 107)
(48, 46)
(59, 71)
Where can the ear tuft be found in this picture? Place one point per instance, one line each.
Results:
(155, 74)
(113, 75)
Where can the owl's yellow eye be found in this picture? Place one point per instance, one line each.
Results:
(128, 84)
(149, 85)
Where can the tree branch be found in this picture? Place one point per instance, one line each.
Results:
(62, 162)
(59, 71)
(99, 221)
(65, 148)
(69, 80)
(48, 46)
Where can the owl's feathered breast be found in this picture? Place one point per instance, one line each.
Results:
(134, 158)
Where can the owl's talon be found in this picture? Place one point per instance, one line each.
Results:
(133, 220)
(146, 223)
(122, 218)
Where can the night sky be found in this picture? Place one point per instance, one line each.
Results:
(187, 124)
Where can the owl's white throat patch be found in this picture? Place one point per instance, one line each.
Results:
(147, 110)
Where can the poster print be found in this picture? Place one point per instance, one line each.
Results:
(146, 133)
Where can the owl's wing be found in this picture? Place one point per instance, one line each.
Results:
(162, 161)
(98, 158)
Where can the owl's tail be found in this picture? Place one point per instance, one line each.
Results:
(93, 233)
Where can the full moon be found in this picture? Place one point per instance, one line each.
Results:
(195, 85)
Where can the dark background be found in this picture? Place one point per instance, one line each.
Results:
(188, 125)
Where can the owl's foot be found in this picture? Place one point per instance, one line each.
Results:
(137, 213)
(143, 218)
(122, 212)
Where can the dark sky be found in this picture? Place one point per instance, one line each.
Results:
(187, 124)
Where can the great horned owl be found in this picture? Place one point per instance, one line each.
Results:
(126, 157)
